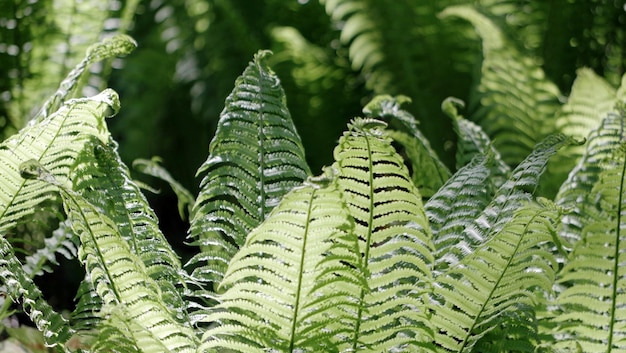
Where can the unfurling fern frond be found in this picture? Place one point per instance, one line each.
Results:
(291, 285)
(394, 242)
(590, 309)
(575, 192)
(493, 287)
(514, 102)
(429, 173)
(54, 142)
(255, 158)
(20, 287)
(132, 301)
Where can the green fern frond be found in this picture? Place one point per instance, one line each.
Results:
(87, 315)
(514, 102)
(494, 285)
(473, 141)
(60, 242)
(291, 285)
(429, 173)
(575, 191)
(54, 142)
(394, 241)
(454, 208)
(255, 158)
(522, 184)
(104, 181)
(153, 168)
(590, 308)
(20, 287)
(119, 276)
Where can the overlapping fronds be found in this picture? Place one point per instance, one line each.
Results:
(590, 310)
(54, 142)
(514, 103)
(394, 241)
(454, 208)
(132, 301)
(303, 264)
(255, 158)
(20, 287)
(103, 180)
(575, 191)
(494, 286)
(428, 172)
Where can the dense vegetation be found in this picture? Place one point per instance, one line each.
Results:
(472, 202)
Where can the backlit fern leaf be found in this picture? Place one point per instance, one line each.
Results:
(255, 158)
(591, 307)
(291, 285)
(54, 142)
(454, 208)
(394, 241)
(514, 102)
(20, 287)
(103, 180)
(132, 301)
(493, 287)
(60, 242)
(575, 191)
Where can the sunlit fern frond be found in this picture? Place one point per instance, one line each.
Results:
(19, 287)
(54, 142)
(292, 285)
(590, 310)
(494, 286)
(591, 98)
(104, 181)
(86, 315)
(428, 172)
(132, 301)
(256, 157)
(575, 191)
(472, 141)
(523, 182)
(454, 208)
(514, 102)
(394, 241)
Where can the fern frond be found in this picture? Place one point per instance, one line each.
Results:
(256, 157)
(591, 308)
(575, 191)
(454, 208)
(429, 172)
(473, 141)
(291, 285)
(60, 242)
(20, 287)
(153, 168)
(54, 142)
(394, 241)
(514, 102)
(103, 180)
(494, 285)
(119, 276)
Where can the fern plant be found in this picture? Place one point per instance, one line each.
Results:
(387, 250)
